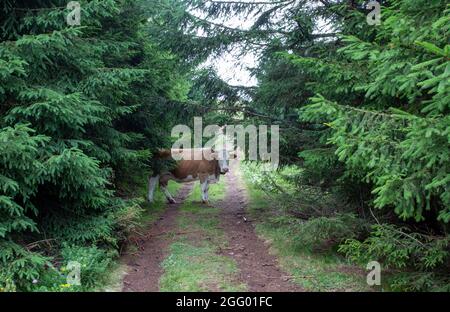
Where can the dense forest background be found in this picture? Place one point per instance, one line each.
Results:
(363, 112)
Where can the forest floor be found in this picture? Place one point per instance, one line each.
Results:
(223, 246)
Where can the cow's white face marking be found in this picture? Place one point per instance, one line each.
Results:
(223, 158)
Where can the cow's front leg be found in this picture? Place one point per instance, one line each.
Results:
(152, 181)
(166, 192)
(205, 186)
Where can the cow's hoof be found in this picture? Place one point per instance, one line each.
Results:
(172, 201)
(206, 202)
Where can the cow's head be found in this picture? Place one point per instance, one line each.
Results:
(223, 156)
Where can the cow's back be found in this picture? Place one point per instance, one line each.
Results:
(194, 163)
(195, 168)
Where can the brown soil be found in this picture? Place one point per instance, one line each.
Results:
(144, 269)
(258, 268)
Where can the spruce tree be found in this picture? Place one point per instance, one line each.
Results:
(81, 108)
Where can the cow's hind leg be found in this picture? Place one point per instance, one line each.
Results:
(163, 185)
(152, 181)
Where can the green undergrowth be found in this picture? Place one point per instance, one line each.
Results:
(314, 271)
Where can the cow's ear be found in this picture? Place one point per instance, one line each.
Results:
(232, 154)
(214, 155)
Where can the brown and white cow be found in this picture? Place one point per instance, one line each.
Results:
(205, 165)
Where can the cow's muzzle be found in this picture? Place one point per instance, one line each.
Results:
(224, 170)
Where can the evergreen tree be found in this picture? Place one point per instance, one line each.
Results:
(81, 107)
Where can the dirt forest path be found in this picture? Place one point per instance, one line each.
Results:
(144, 269)
(257, 270)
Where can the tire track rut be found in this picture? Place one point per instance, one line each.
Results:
(144, 269)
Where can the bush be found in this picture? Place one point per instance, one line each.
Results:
(94, 263)
(425, 258)
(327, 232)
(19, 267)
(290, 192)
